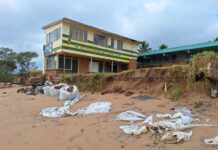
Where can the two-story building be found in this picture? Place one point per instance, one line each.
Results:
(74, 47)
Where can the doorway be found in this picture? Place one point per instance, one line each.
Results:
(74, 66)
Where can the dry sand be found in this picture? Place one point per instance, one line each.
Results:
(22, 128)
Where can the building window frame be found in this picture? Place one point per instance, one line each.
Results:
(78, 34)
(100, 40)
(53, 36)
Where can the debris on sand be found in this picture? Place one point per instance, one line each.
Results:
(176, 137)
(94, 108)
(57, 112)
(169, 131)
(130, 116)
(212, 141)
(134, 129)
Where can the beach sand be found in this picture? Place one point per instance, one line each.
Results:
(22, 128)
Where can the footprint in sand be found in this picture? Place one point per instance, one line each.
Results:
(82, 130)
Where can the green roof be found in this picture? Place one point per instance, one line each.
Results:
(181, 48)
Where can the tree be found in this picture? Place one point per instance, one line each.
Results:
(144, 46)
(24, 62)
(163, 46)
(7, 60)
(216, 39)
(7, 64)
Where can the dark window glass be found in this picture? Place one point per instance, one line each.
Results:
(53, 36)
(78, 34)
(100, 40)
(174, 57)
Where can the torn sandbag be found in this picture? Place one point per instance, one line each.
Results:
(174, 124)
(213, 92)
(55, 89)
(149, 120)
(212, 141)
(55, 112)
(46, 90)
(177, 115)
(185, 111)
(175, 137)
(74, 101)
(130, 116)
(94, 108)
(134, 129)
(68, 92)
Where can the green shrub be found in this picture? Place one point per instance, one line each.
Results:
(177, 92)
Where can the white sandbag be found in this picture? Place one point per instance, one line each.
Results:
(54, 91)
(149, 120)
(46, 90)
(65, 95)
(212, 141)
(175, 137)
(74, 101)
(130, 116)
(94, 108)
(177, 115)
(48, 83)
(174, 124)
(55, 112)
(185, 111)
(134, 129)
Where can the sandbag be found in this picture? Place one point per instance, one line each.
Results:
(134, 129)
(94, 108)
(55, 89)
(130, 116)
(46, 90)
(212, 141)
(66, 94)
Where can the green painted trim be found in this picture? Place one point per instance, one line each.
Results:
(125, 50)
(130, 51)
(56, 48)
(85, 51)
(87, 46)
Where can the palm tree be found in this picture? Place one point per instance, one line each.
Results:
(163, 46)
(144, 46)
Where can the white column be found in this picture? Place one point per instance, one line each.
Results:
(112, 66)
(44, 64)
(91, 66)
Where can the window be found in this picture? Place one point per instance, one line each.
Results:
(51, 64)
(78, 34)
(116, 44)
(100, 40)
(67, 63)
(53, 36)
(174, 57)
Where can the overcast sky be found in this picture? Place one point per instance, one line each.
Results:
(172, 22)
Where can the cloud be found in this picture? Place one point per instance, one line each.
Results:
(173, 22)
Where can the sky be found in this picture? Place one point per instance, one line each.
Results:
(170, 22)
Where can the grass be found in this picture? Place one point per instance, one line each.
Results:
(177, 92)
